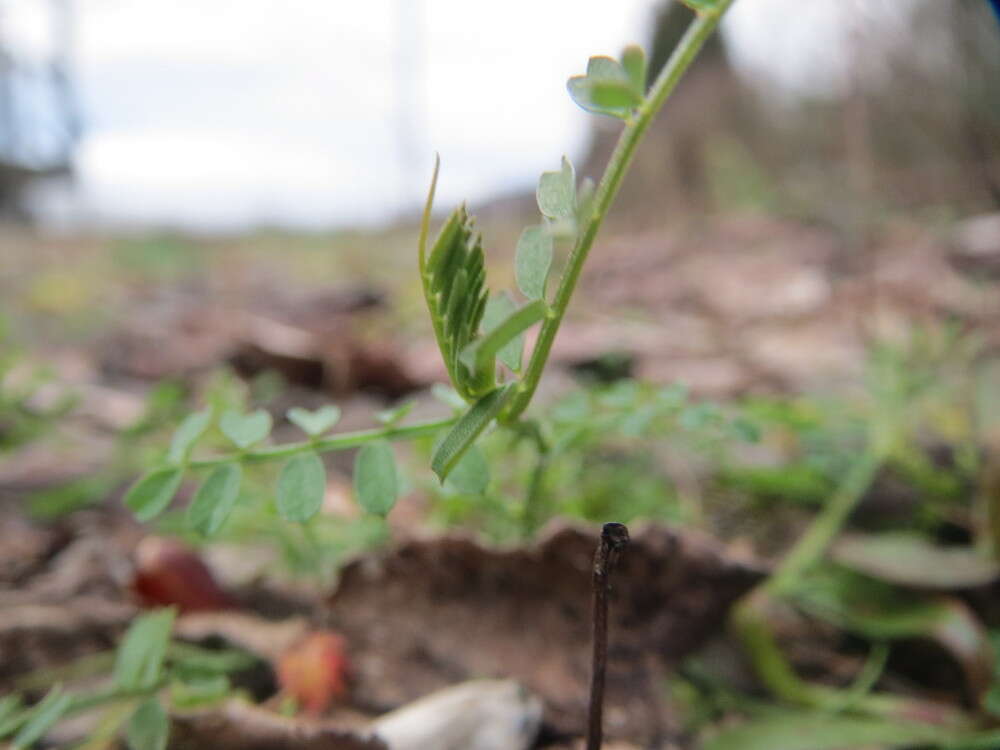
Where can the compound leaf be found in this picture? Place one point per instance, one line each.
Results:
(454, 281)
(609, 88)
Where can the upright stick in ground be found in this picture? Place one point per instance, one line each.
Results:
(614, 539)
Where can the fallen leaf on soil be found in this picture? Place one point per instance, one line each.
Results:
(334, 358)
(431, 613)
(175, 336)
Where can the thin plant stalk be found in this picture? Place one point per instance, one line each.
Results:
(534, 497)
(749, 618)
(813, 544)
(614, 539)
(684, 54)
(343, 441)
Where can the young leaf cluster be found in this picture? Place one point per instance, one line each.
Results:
(612, 87)
(617, 88)
(497, 333)
(454, 279)
(476, 331)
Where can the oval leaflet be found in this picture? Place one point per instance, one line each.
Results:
(214, 499)
(150, 496)
(375, 483)
(301, 486)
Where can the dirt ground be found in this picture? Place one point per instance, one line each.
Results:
(742, 305)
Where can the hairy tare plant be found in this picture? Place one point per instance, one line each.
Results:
(481, 338)
(480, 335)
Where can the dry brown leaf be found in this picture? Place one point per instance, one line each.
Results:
(431, 613)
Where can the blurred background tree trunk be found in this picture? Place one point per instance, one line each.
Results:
(39, 122)
(670, 171)
(916, 124)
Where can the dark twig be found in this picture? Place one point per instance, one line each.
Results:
(614, 538)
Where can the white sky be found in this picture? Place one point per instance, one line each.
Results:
(219, 114)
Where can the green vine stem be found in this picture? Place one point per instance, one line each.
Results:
(534, 497)
(343, 441)
(813, 544)
(750, 620)
(749, 616)
(686, 51)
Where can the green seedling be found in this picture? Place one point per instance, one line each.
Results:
(480, 334)
(149, 672)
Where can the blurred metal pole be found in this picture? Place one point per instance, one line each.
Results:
(410, 104)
